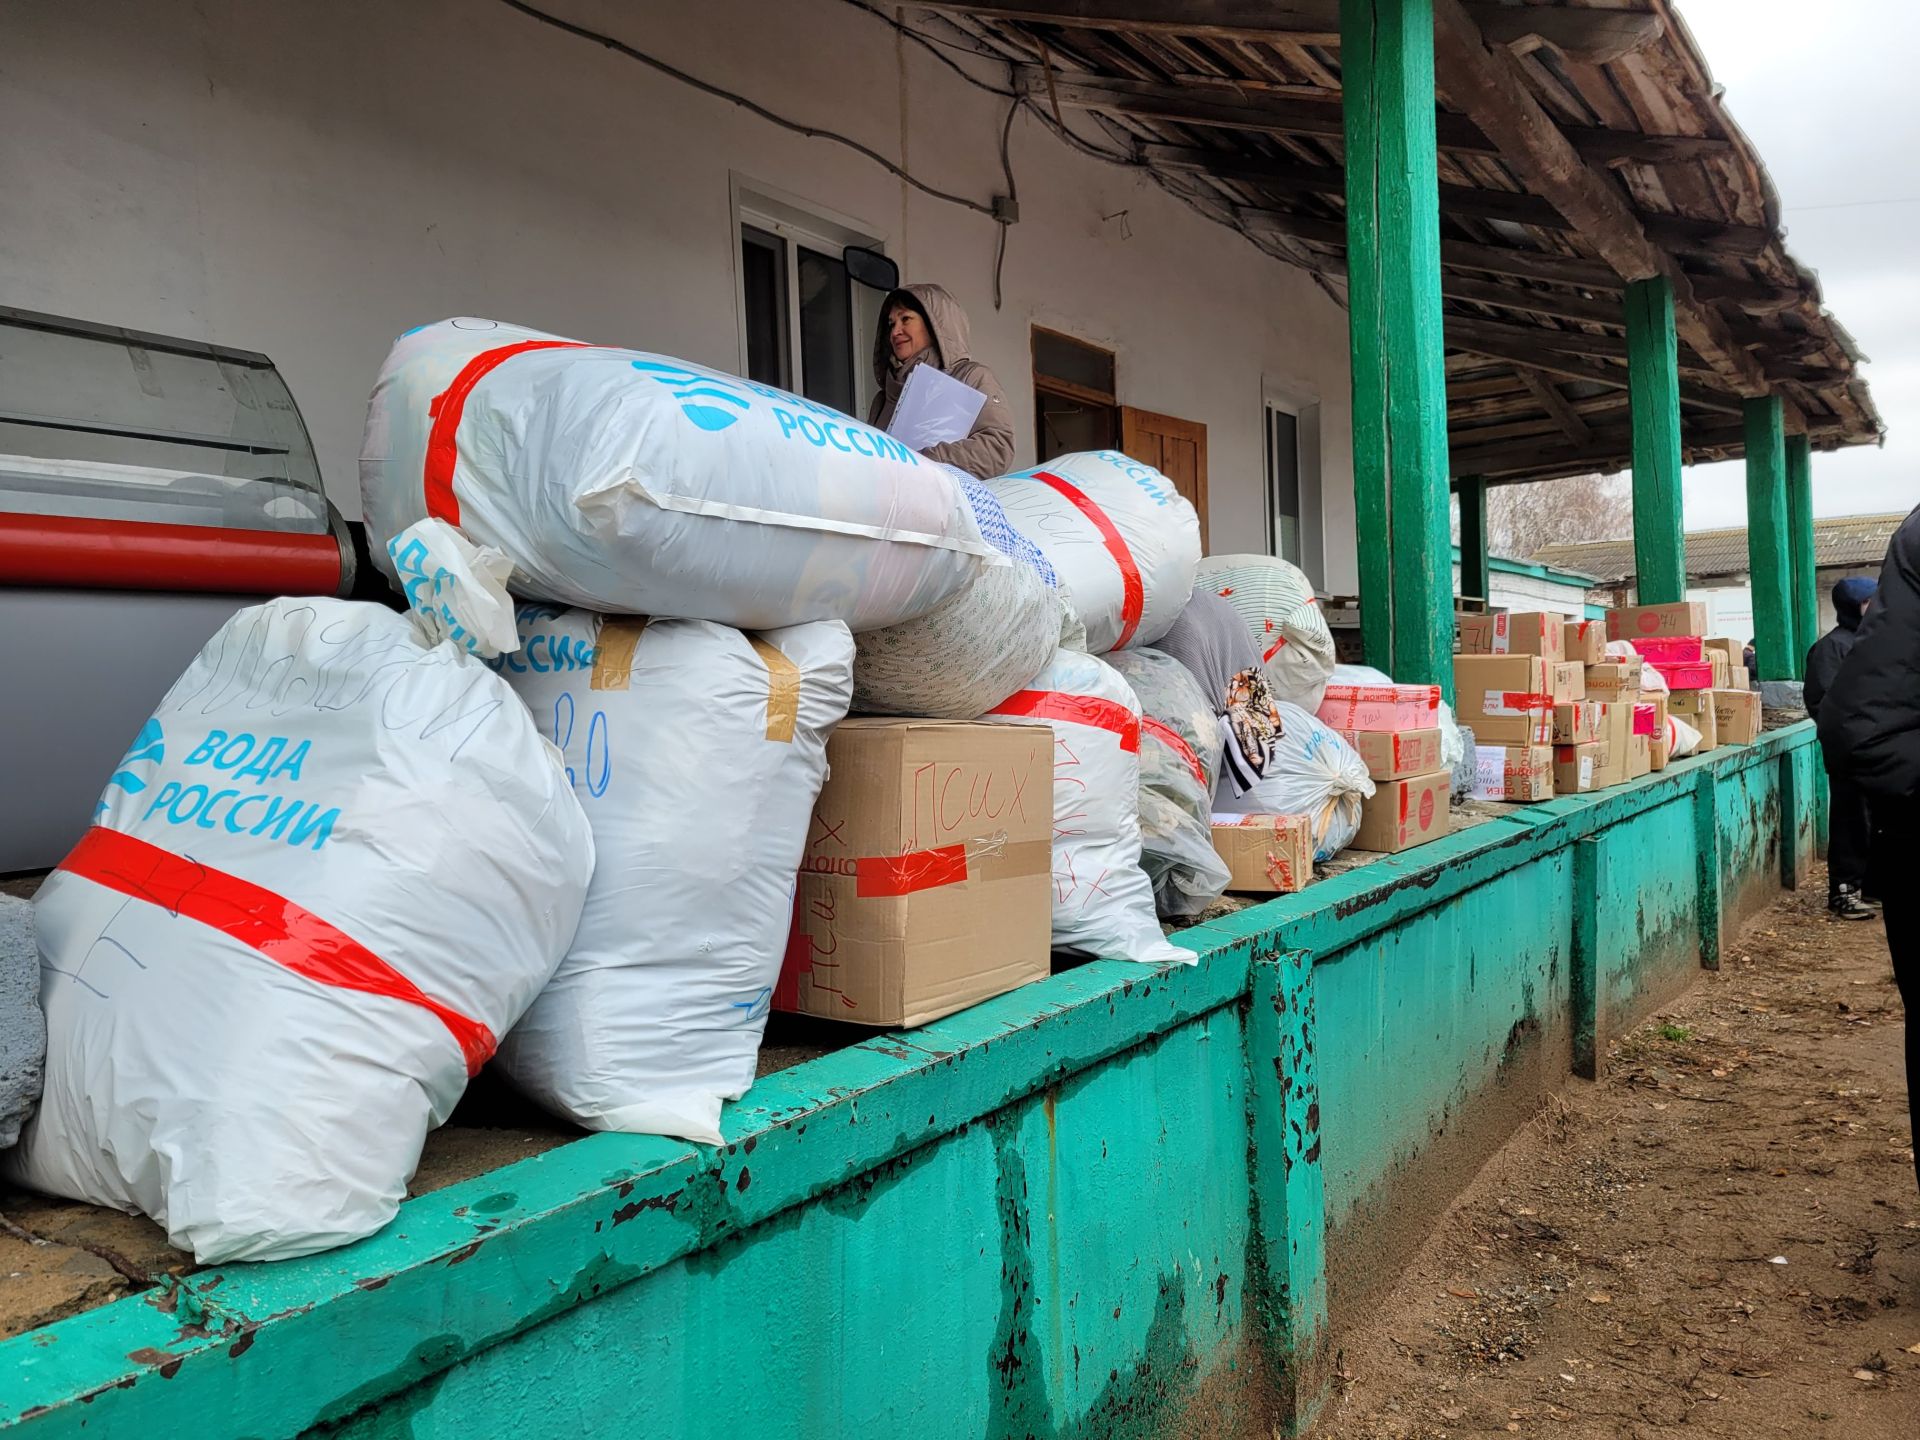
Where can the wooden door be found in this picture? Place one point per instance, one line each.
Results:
(1176, 448)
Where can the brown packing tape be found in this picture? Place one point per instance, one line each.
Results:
(613, 653)
(783, 690)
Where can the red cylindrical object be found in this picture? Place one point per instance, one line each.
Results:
(87, 554)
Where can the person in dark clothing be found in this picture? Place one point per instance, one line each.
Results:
(1870, 733)
(1748, 659)
(1847, 830)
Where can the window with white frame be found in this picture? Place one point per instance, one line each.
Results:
(1293, 483)
(804, 324)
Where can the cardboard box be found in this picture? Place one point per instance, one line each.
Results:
(1696, 708)
(1610, 760)
(1584, 641)
(1381, 707)
(1504, 699)
(1648, 622)
(1268, 854)
(1575, 766)
(1686, 675)
(1393, 755)
(1405, 813)
(1645, 719)
(1513, 772)
(1737, 679)
(1671, 650)
(1519, 632)
(1722, 672)
(1576, 724)
(1567, 681)
(1721, 644)
(1639, 756)
(1661, 741)
(927, 881)
(1736, 716)
(1615, 680)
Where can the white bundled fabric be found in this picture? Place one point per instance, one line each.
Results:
(697, 752)
(1277, 602)
(1123, 541)
(641, 484)
(1313, 773)
(977, 646)
(1179, 762)
(1682, 738)
(336, 865)
(1102, 899)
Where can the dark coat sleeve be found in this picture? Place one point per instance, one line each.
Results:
(1823, 663)
(1870, 714)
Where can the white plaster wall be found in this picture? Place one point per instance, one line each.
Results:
(310, 177)
(1525, 592)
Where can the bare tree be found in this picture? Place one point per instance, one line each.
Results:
(1521, 519)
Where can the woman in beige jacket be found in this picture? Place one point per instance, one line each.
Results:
(924, 325)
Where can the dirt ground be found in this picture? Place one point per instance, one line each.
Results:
(1722, 1235)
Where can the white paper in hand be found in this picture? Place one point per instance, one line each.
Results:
(935, 408)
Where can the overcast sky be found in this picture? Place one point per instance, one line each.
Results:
(1828, 95)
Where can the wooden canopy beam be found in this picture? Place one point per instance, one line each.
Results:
(1265, 113)
(1542, 388)
(1557, 303)
(1494, 93)
(1590, 37)
(1611, 448)
(1301, 22)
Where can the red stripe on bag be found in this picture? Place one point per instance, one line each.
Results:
(447, 408)
(280, 930)
(879, 875)
(1134, 596)
(1170, 738)
(1080, 709)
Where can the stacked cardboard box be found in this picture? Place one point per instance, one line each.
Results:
(1266, 854)
(1395, 729)
(1707, 685)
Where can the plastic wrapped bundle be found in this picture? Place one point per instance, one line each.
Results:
(697, 752)
(1102, 899)
(1179, 763)
(976, 647)
(1120, 537)
(1312, 772)
(640, 484)
(1277, 602)
(336, 865)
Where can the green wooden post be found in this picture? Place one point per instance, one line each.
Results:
(1706, 864)
(1768, 560)
(1589, 1050)
(1653, 387)
(1474, 574)
(1393, 311)
(1806, 586)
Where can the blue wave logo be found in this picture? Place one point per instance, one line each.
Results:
(148, 748)
(695, 390)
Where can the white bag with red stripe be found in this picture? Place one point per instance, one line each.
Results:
(337, 863)
(1102, 899)
(1179, 761)
(1277, 602)
(697, 752)
(640, 484)
(1122, 540)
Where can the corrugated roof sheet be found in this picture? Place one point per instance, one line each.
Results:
(1841, 540)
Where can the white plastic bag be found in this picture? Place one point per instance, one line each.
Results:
(697, 752)
(1179, 762)
(977, 646)
(338, 865)
(1682, 738)
(641, 484)
(1123, 541)
(1102, 899)
(1277, 602)
(456, 590)
(1313, 773)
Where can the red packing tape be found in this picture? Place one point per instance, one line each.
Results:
(1079, 709)
(879, 875)
(1170, 738)
(446, 410)
(1134, 597)
(280, 930)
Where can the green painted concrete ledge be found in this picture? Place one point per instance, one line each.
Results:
(1078, 1210)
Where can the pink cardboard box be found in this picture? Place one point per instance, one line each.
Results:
(1646, 718)
(1672, 649)
(1687, 675)
(1381, 707)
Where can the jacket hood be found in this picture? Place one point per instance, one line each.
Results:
(946, 321)
(1850, 598)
